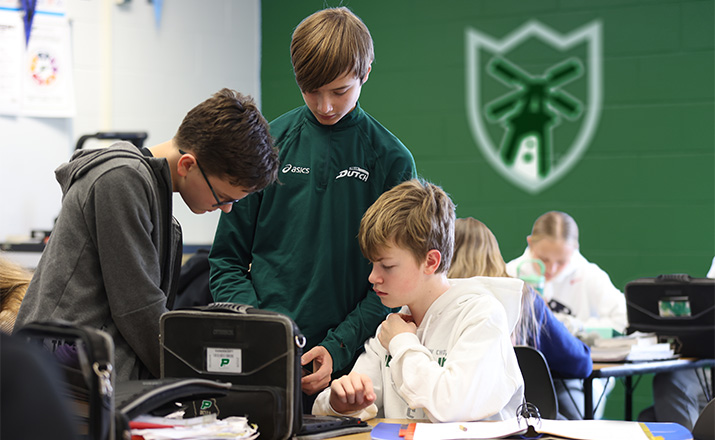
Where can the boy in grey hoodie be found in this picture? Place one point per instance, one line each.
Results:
(114, 255)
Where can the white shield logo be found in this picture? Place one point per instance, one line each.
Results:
(542, 130)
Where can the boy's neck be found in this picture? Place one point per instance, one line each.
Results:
(435, 286)
(169, 151)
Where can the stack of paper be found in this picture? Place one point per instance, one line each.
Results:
(634, 347)
(198, 428)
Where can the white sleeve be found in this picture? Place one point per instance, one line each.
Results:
(513, 264)
(368, 363)
(478, 379)
(321, 407)
(606, 300)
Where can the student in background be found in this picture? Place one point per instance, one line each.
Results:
(579, 293)
(476, 253)
(292, 247)
(446, 355)
(114, 254)
(13, 284)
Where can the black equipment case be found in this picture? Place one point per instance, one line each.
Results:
(256, 350)
(678, 309)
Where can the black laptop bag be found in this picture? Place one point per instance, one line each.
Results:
(256, 350)
(678, 308)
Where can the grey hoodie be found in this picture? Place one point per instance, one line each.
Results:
(113, 256)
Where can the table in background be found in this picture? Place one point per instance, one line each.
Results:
(630, 369)
(26, 255)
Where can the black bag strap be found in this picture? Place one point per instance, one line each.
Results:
(97, 372)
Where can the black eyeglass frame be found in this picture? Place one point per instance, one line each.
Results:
(203, 173)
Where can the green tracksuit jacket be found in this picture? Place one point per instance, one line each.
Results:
(299, 236)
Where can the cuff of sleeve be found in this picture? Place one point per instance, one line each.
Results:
(402, 342)
(322, 406)
(364, 414)
(337, 353)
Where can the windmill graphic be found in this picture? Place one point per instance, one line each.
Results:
(531, 111)
(536, 132)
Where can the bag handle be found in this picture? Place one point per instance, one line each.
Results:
(675, 277)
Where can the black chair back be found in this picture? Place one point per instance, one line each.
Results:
(704, 428)
(538, 385)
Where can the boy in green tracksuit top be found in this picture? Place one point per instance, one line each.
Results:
(292, 248)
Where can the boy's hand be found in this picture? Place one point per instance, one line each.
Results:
(322, 369)
(351, 393)
(393, 325)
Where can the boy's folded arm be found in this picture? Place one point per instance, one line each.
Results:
(230, 283)
(233, 287)
(456, 391)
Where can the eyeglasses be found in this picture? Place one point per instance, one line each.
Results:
(218, 201)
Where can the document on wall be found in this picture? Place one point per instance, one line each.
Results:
(48, 87)
(12, 45)
(36, 78)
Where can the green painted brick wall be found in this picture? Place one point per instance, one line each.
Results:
(643, 192)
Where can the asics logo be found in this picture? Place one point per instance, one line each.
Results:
(295, 170)
(354, 172)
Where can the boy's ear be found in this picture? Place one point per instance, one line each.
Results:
(367, 74)
(434, 257)
(528, 240)
(184, 164)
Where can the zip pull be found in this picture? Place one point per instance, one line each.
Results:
(105, 378)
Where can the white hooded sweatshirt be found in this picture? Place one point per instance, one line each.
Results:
(460, 366)
(584, 288)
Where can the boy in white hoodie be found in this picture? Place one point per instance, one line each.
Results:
(447, 355)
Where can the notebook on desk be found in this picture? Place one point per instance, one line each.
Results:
(567, 429)
(259, 353)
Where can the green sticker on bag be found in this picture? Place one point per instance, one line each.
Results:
(674, 307)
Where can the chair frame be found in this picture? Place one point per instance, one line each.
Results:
(538, 382)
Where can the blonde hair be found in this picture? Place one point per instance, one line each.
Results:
(417, 216)
(476, 253)
(13, 284)
(327, 44)
(555, 225)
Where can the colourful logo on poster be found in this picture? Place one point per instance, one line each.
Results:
(43, 68)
